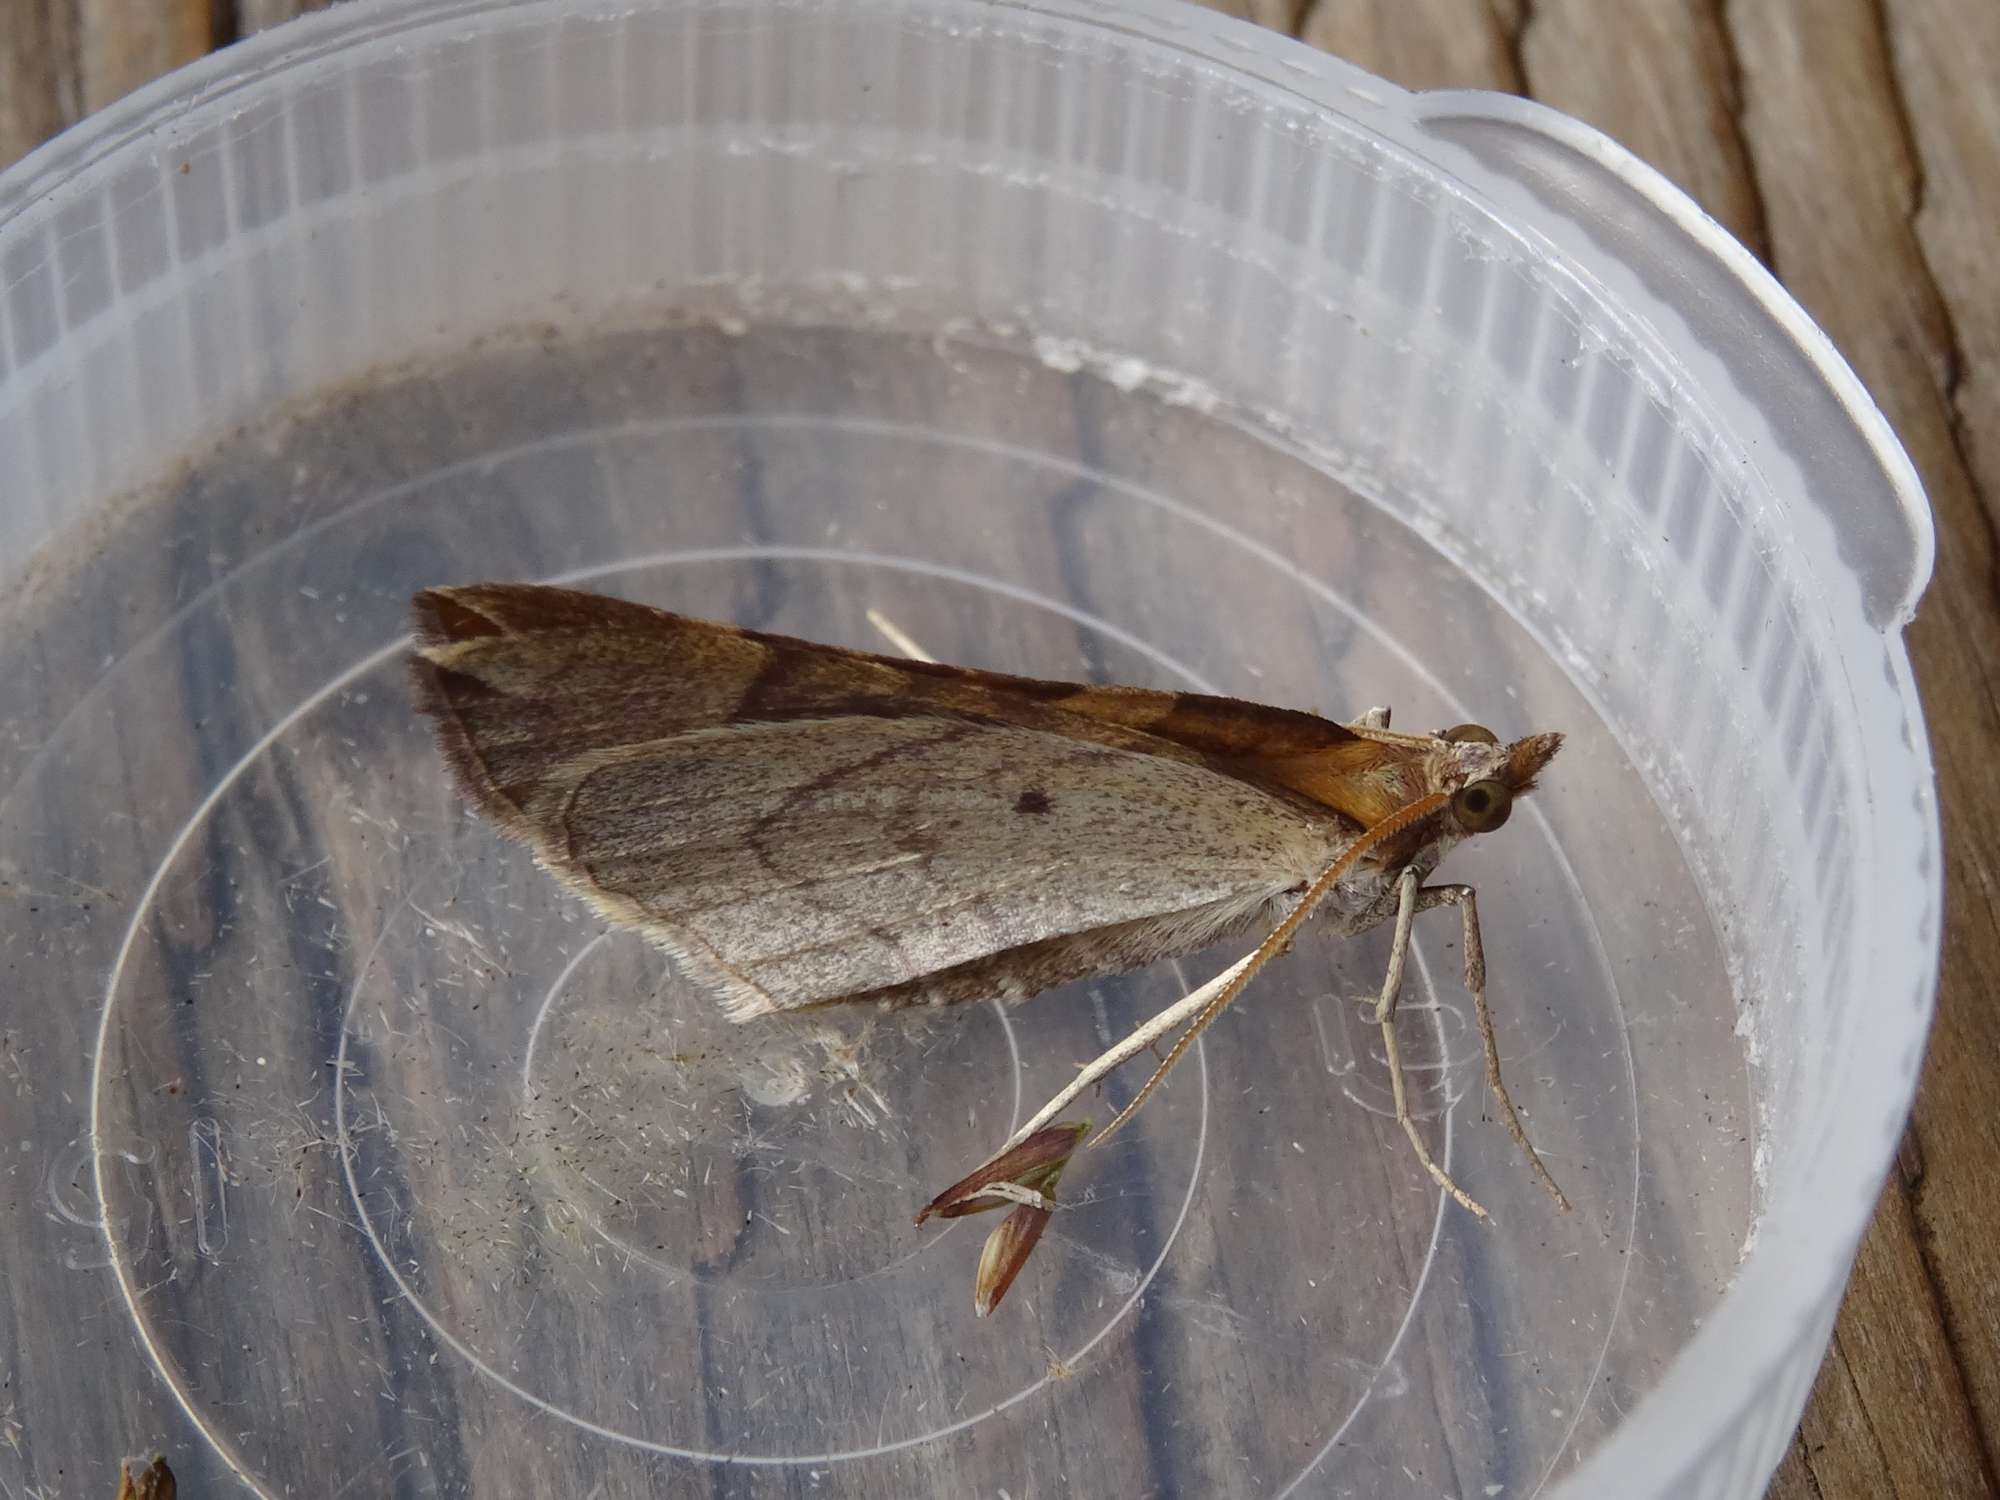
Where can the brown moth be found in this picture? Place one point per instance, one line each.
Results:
(801, 825)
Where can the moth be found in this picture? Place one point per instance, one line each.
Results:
(803, 825)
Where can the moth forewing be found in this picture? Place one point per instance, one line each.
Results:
(800, 824)
(832, 826)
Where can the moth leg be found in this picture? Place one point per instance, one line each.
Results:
(1279, 941)
(1204, 1004)
(1370, 718)
(1408, 890)
(1462, 897)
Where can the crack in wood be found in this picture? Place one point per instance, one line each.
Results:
(1734, 93)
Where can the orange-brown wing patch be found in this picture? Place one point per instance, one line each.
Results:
(519, 675)
(1363, 780)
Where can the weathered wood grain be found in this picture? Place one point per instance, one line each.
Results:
(261, 15)
(121, 44)
(1423, 44)
(1856, 146)
(37, 74)
(1279, 14)
(1942, 55)
(1662, 81)
(1942, 52)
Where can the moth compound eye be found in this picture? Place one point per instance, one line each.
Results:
(1483, 806)
(1471, 734)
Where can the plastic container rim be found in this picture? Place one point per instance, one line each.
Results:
(1761, 1321)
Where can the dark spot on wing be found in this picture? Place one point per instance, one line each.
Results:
(1032, 801)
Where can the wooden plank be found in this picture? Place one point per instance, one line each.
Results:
(1869, 1437)
(38, 90)
(1423, 44)
(124, 43)
(1835, 1455)
(1279, 15)
(261, 15)
(1943, 52)
(1832, 141)
(1943, 57)
(1660, 79)
(1793, 1480)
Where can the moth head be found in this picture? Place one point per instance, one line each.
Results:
(1483, 776)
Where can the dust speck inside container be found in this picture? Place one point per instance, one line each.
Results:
(386, 1146)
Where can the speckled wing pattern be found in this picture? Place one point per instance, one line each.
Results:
(800, 824)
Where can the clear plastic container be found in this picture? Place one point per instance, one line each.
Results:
(345, 1155)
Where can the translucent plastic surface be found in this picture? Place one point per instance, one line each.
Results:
(1076, 347)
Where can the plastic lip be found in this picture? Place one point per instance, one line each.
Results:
(1448, 111)
(1766, 1318)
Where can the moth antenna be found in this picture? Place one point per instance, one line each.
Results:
(1388, 828)
(1135, 1041)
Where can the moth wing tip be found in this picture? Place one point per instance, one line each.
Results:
(431, 690)
(427, 686)
(444, 615)
(738, 998)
